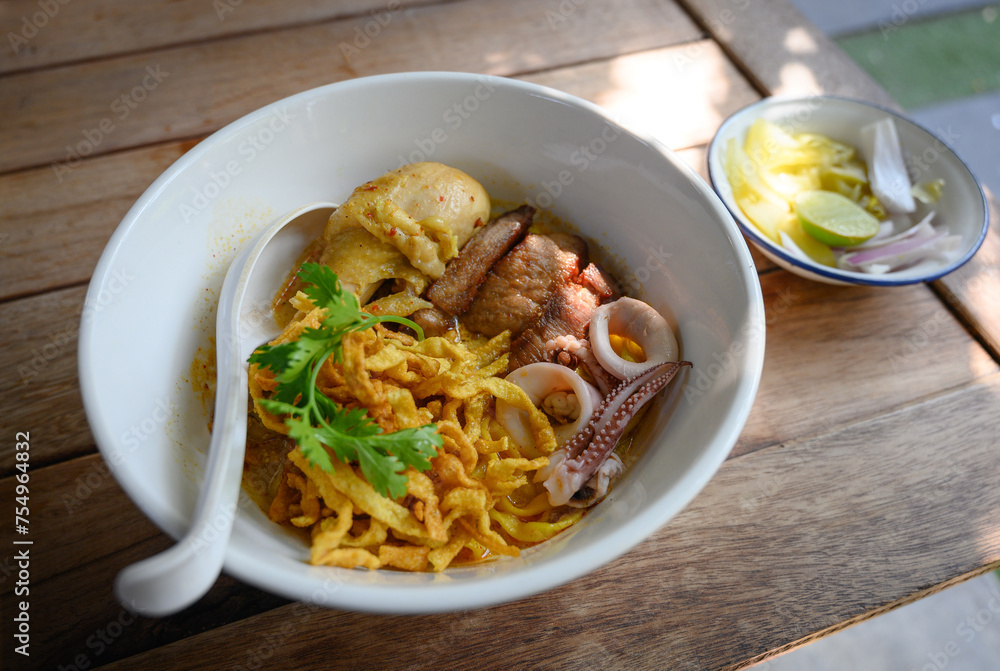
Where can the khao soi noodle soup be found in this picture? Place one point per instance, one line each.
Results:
(452, 384)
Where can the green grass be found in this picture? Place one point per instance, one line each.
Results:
(928, 61)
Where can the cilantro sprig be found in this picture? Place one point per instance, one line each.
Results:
(315, 421)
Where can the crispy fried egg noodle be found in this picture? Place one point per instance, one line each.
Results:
(477, 500)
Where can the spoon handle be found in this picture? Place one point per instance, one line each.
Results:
(176, 578)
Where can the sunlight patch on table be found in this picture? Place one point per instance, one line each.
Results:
(797, 79)
(799, 41)
(678, 95)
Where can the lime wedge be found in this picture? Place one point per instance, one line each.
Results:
(834, 219)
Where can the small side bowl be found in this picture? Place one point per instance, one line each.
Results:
(961, 209)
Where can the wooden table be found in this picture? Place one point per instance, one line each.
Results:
(867, 477)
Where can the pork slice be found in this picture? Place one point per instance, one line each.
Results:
(601, 283)
(455, 289)
(520, 284)
(567, 312)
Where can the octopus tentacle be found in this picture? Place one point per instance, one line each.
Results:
(596, 488)
(580, 459)
(571, 352)
(638, 322)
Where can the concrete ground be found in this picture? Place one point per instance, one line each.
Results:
(940, 59)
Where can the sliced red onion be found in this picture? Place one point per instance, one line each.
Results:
(924, 230)
(905, 252)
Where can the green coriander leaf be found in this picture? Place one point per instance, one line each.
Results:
(384, 472)
(413, 447)
(303, 433)
(279, 407)
(317, 424)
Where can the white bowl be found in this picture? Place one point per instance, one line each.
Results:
(150, 309)
(961, 209)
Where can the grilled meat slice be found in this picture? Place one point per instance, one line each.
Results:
(601, 283)
(455, 289)
(520, 284)
(567, 312)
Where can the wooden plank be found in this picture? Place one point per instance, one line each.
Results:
(53, 233)
(77, 622)
(973, 290)
(54, 116)
(39, 386)
(70, 501)
(73, 503)
(837, 355)
(43, 34)
(679, 95)
(781, 52)
(770, 535)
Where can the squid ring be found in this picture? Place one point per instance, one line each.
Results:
(640, 323)
(553, 388)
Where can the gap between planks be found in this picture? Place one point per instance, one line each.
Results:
(829, 631)
(62, 35)
(203, 87)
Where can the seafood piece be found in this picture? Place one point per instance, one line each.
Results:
(596, 488)
(573, 465)
(455, 289)
(570, 351)
(567, 312)
(638, 322)
(520, 284)
(565, 396)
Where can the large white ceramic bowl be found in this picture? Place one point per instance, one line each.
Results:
(149, 315)
(962, 207)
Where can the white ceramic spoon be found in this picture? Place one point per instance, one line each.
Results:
(176, 578)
